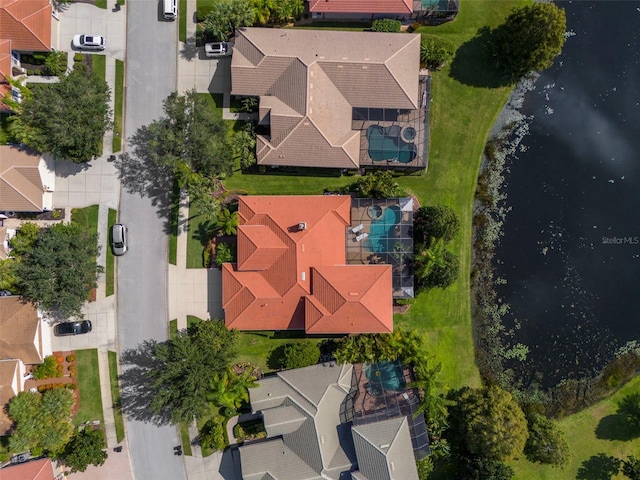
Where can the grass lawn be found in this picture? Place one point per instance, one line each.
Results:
(110, 267)
(594, 435)
(101, 3)
(204, 7)
(461, 118)
(87, 216)
(186, 441)
(256, 347)
(89, 387)
(99, 65)
(118, 106)
(197, 238)
(173, 220)
(115, 396)
(173, 328)
(182, 20)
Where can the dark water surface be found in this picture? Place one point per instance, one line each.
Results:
(571, 246)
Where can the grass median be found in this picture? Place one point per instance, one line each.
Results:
(118, 107)
(110, 264)
(115, 396)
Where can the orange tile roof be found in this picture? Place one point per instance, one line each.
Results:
(288, 278)
(361, 6)
(27, 23)
(34, 470)
(5, 59)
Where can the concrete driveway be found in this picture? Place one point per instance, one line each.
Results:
(88, 19)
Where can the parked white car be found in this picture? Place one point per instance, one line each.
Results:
(88, 42)
(218, 49)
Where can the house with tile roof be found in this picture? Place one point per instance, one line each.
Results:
(40, 469)
(404, 10)
(27, 181)
(24, 340)
(291, 271)
(27, 26)
(311, 435)
(334, 99)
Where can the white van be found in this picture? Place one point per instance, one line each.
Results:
(170, 9)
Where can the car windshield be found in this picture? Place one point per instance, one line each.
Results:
(119, 244)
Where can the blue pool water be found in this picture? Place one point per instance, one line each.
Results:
(386, 144)
(382, 230)
(385, 376)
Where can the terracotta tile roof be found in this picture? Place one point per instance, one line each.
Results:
(41, 469)
(309, 81)
(21, 187)
(20, 331)
(10, 386)
(361, 6)
(289, 278)
(27, 23)
(5, 59)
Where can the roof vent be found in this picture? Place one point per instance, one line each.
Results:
(302, 226)
(303, 276)
(384, 445)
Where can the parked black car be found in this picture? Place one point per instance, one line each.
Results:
(72, 328)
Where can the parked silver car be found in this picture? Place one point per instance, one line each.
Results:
(119, 239)
(88, 42)
(218, 49)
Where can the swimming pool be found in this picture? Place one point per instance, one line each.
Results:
(386, 144)
(382, 230)
(385, 376)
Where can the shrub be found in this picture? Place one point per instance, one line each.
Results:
(55, 63)
(71, 386)
(71, 368)
(71, 358)
(414, 26)
(386, 25)
(434, 52)
(47, 369)
(72, 374)
(78, 57)
(546, 443)
(300, 354)
(249, 431)
(435, 221)
(59, 359)
(377, 184)
(212, 434)
(224, 253)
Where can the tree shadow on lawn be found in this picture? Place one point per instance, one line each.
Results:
(615, 427)
(136, 387)
(598, 467)
(140, 174)
(474, 64)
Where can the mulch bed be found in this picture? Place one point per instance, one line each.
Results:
(65, 379)
(401, 309)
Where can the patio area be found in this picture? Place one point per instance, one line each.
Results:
(381, 232)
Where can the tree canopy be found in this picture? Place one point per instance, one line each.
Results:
(85, 448)
(530, 38)
(629, 407)
(491, 423)
(189, 369)
(42, 421)
(546, 442)
(435, 221)
(376, 184)
(66, 119)
(300, 354)
(190, 140)
(60, 269)
(631, 467)
(226, 16)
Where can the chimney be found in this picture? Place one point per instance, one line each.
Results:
(302, 226)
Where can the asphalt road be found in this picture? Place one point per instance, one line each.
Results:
(142, 272)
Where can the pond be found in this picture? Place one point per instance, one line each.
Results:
(570, 253)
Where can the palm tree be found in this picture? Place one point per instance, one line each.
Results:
(426, 260)
(227, 222)
(262, 11)
(230, 389)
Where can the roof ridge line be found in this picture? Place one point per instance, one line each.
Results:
(19, 192)
(406, 45)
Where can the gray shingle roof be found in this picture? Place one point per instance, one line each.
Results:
(384, 450)
(275, 459)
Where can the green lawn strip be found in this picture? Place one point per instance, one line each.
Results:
(192, 320)
(110, 267)
(197, 236)
(115, 396)
(256, 347)
(87, 216)
(99, 66)
(461, 117)
(204, 7)
(186, 440)
(182, 20)
(214, 101)
(120, 2)
(89, 387)
(580, 430)
(101, 3)
(118, 106)
(174, 219)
